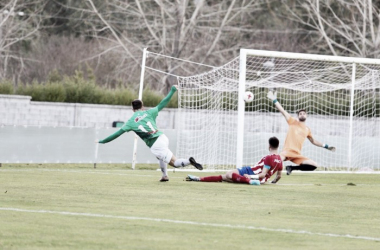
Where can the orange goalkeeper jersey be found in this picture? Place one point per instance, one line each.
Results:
(297, 133)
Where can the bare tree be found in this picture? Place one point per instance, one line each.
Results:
(210, 32)
(350, 28)
(109, 36)
(19, 23)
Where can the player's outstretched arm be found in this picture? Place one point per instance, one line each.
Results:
(112, 137)
(166, 100)
(273, 96)
(323, 145)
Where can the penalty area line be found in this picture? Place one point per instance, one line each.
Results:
(347, 236)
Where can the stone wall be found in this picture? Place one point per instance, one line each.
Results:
(20, 110)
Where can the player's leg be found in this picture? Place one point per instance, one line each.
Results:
(237, 176)
(284, 158)
(177, 163)
(240, 178)
(310, 162)
(308, 165)
(216, 178)
(213, 178)
(303, 164)
(228, 176)
(163, 167)
(161, 150)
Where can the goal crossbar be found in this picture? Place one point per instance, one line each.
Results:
(302, 56)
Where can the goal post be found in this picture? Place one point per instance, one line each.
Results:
(241, 106)
(341, 96)
(141, 88)
(352, 99)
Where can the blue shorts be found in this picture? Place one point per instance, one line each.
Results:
(245, 170)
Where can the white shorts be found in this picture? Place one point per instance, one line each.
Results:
(161, 149)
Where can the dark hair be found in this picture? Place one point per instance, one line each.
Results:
(274, 142)
(137, 104)
(298, 112)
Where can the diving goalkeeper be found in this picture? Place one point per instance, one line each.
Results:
(143, 123)
(296, 135)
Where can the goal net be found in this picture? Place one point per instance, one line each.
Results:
(341, 96)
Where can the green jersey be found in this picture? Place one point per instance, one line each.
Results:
(143, 123)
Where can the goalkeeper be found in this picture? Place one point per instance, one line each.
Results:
(256, 175)
(143, 123)
(296, 135)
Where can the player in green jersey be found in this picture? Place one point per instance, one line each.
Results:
(143, 123)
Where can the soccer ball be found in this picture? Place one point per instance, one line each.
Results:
(248, 96)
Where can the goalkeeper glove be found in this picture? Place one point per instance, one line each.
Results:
(272, 96)
(331, 148)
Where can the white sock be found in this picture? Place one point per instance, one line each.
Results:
(163, 167)
(181, 163)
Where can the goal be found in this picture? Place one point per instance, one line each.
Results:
(341, 96)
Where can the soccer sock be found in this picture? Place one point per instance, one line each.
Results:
(164, 168)
(240, 179)
(304, 167)
(217, 178)
(307, 167)
(181, 163)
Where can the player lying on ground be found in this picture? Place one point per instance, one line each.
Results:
(143, 123)
(256, 175)
(295, 137)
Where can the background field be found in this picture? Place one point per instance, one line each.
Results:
(77, 207)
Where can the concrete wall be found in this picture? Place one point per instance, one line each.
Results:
(20, 110)
(62, 132)
(30, 144)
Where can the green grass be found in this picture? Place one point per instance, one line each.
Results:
(112, 207)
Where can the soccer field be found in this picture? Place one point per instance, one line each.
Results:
(78, 207)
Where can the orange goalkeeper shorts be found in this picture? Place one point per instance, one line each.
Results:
(293, 157)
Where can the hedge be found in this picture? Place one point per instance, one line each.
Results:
(77, 89)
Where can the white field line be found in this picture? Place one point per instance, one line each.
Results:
(191, 223)
(104, 172)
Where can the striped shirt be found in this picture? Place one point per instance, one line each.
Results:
(272, 161)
